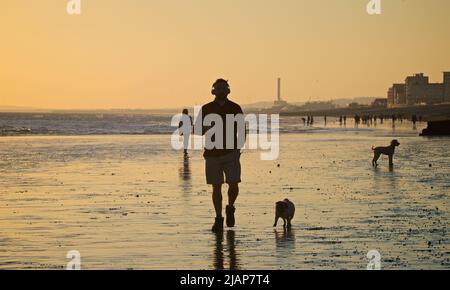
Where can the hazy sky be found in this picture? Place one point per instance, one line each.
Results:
(167, 53)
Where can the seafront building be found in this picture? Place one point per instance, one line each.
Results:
(417, 90)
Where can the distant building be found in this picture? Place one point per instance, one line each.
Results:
(317, 106)
(390, 97)
(418, 90)
(356, 105)
(447, 87)
(380, 103)
(397, 95)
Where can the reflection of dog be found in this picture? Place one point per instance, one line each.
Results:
(284, 209)
(389, 150)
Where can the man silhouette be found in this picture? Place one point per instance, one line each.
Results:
(186, 135)
(223, 160)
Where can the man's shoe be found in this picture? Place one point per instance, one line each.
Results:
(218, 225)
(230, 215)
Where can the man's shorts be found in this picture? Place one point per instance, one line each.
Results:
(217, 166)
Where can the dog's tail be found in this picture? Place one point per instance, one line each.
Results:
(373, 148)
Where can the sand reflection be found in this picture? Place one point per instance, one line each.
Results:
(219, 256)
(185, 175)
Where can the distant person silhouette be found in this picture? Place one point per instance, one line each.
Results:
(414, 119)
(220, 162)
(186, 135)
(357, 120)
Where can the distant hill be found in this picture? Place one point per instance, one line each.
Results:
(17, 109)
(258, 105)
(360, 100)
(21, 109)
(339, 102)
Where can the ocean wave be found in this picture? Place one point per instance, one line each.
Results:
(16, 124)
(11, 131)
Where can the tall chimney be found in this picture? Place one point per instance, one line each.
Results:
(279, 89)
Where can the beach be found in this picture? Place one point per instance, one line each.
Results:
(132, 202)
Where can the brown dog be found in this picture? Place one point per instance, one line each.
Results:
(284, 209)
(389, 151)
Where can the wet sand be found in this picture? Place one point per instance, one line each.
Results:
(131, 202)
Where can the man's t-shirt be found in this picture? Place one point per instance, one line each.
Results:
(229, 108)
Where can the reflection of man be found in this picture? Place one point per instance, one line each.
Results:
(219, 258)
(222, 160)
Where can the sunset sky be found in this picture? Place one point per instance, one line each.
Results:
(167, 53)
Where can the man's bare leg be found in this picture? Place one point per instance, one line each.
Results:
(233, 192)
(217, 201)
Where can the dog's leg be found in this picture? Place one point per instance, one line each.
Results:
(284, 222)
(391, 160)
(276, 221)
(375, 159)
(289, 223)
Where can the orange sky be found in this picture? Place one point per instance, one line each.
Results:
(166, 53)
